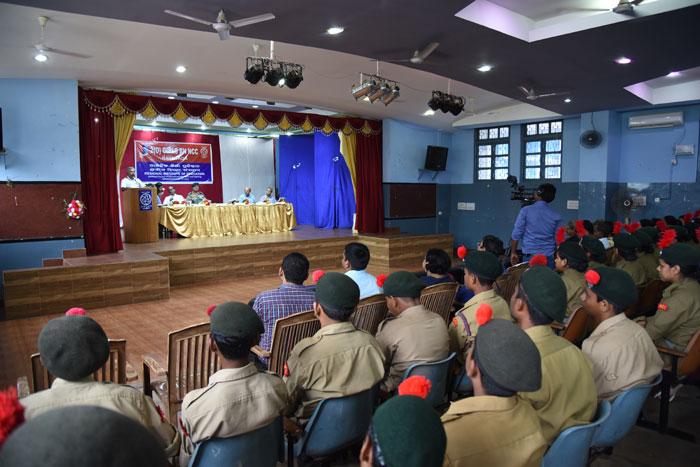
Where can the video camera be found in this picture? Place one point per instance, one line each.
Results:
(525, 195)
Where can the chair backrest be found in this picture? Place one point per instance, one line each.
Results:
(500, 284)
(190, 363)
(438, 373)
(369, 313)
(623, 415)
(114, 370)
(633, 310)
(576, 325)
(691, 361)
(649, 300)
(440, 298)
(512, 277)
(570, 449)
(263, 447)
(337, 424)
(285, 335)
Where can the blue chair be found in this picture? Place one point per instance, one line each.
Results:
(336, 424)
(570, 449)
(263, 447)
(624, 412)
(438, 373)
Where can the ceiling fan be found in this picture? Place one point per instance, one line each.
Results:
(419, 56)
(222, 26)
(626, 7)
(532, 96)
(42, 48)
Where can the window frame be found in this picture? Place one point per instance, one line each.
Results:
(542, 138)
(492, 142)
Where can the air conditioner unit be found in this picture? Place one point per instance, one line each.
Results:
(637, 122)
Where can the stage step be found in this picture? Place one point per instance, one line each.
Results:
(74, 253)
(49, 262)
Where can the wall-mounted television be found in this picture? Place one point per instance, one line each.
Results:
(436, 158)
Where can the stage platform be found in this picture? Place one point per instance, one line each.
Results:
(146, 272)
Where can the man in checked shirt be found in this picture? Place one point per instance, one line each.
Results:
(289, 298)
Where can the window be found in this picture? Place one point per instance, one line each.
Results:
(542, 146)
(492, 148)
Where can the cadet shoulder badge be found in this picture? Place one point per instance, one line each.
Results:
(286, 369)
(663, 307)
(455, 322)
(182, 427)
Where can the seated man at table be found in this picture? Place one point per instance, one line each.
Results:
(195, 196)
(246, 196)
(130, 181)
(268, 197)
(173, 197)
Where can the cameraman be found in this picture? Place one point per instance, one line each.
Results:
(536, 226)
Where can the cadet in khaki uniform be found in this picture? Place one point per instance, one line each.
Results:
(74, 347)
(568, 395)
(595, 251)
(626, 248)
(653, 233)
(646, 257)
(571, 262)
(339, 359)
(481, 269)
(238, 398)
(195, 196)
(495, 427)
(678, 314)
(622, 354)
(412, 333)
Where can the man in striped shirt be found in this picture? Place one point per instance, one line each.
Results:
(289, 298)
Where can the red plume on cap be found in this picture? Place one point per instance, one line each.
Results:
(667, 238)
(561, 234)
(697, 214)
(75, 311)
(380, 280)
(592, 277)
(415, 386)
(484, 314)
(628, 228)
(697, 234)
(580, 229)
(661, 225)
(687, 218)
(11, 413)
(634, 226)
(617, 227)
(210, 309)
(461, 252)
(538, 260)
(318, 273)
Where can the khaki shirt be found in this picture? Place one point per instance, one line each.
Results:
(417, 335)
(678, 315)
(634, 269)
(493, 431)
(461, 335)
(649, 264)
(594, 264)
(623, 356)
(123, 399)
(339, 360)
(236, 401)
(575, 283)
(195, 198)
(568, 395)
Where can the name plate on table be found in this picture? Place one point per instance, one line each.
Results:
(145, 200)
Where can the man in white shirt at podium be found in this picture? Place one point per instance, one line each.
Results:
(246, 196)
(269, 197)
(130, 181)
(172, 197)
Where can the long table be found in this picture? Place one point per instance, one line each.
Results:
(227, 219)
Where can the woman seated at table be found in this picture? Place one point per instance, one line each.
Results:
(436, 265)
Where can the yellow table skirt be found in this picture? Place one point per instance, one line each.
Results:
(227, 219)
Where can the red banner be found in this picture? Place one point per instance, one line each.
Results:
(173, 162)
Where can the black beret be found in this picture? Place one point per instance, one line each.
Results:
(508, 356)
(626, 241)
(643, 238)
(546, 291)
(82, 436)
(73, 347)
(403, 284)
(573, 250)
(337, 291)
(680, 254)
(484, 264)
(236, 319)
(593, 245)
(652, 232)
(613, 285)
(195, 184)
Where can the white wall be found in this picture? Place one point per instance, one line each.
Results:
(246, 162)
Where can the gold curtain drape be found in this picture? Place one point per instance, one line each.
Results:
(123, 126)
(348, 148)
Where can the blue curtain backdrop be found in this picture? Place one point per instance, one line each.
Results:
(315, 178)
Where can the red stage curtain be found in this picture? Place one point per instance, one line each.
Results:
(98, 180)
(370, 204)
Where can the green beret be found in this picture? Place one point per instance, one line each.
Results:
(546, 291)
(403, 284)
(82, 436)
(409, 433)
(680, 254)
(626, 241)
(593, 245)
(643, 238)
(508, 356)
(653, 232)
(73, 347)
(337, 290)
(484, 264)
(614, 285)
(573, 250)
(236, 319)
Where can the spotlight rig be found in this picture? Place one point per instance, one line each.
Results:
(447, 102)
(273, 72)
(374, 87)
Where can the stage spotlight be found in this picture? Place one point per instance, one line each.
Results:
(273, 76)
(456, 105)
(445, 103)
(434, 102)
(391, 96)
(294, 78)
(254, 73)
(380, 92)
(367, 86)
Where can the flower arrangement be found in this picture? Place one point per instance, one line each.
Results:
(267, 201)
(282, 200)
(179, 202)
(207, 202)
(245, 201)
(74, 209)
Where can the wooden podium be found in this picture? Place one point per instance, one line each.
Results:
(140, 215)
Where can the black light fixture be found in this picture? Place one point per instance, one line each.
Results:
(294, 77)
(446, 103)
(274, 76)
(273, 72)
(434, 102)
(253, 73)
